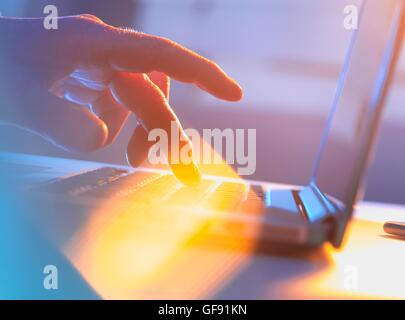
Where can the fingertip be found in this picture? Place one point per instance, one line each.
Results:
(89, 138)
(95, 138)
(236, 91)
(138, 147)
(228, 89)
(188, 174)
(231, 90)
(132, 160)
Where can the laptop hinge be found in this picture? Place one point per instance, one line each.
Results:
(316, 205)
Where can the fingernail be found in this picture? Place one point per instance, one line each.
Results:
(188, 174)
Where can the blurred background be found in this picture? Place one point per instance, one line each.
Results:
(287, 55)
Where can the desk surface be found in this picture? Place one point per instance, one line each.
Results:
(370, 265)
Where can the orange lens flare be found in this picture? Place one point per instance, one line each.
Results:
(153, 247)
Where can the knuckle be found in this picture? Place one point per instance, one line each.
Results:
(90, 18)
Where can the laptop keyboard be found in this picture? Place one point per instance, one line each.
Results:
(159, 188)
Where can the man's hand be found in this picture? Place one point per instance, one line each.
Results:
(114, 71)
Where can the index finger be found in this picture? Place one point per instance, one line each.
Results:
(140, 95)
(138, 52)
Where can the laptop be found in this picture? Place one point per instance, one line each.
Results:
(79, 197)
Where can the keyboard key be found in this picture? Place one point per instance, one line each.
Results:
(83, 182)
(153, 191)
(121, 186)
(227, 196)
(189, 195)
(254, 201)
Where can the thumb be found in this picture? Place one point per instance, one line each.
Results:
(67, 125)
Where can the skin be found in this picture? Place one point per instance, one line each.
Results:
(52, 75)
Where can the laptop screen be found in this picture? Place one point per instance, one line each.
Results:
(353, 122)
